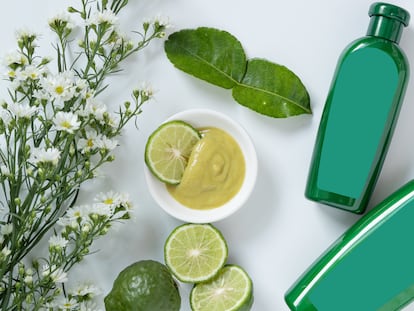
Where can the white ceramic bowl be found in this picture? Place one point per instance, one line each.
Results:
(208, 118)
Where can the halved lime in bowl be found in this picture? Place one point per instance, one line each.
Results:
(168, 149)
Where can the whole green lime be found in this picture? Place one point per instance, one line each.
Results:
(146, 285)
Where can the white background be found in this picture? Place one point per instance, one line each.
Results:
(278, 233)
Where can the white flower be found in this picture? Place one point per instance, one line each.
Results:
(5, 251)
(146, 89)
(14, 58)
(67, 304)
(24, 33)
(82, 87)
(6, 229)
(5, 116)
(88, 143)
(162, 21)
(110, 198)
(106, 143)
(95, 108)
(28, 279)
(112, 120)
(101, 210)
(66, 121)
(86, 289)
(60, 87)
(74, 214)
(29, 72)
(57, 242)
(56, 274)
(41, 94)
(4, 170)
(42, 155)
(105, 17)
(22, 110)
(61, 18)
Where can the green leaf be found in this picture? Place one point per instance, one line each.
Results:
(272, 90)
(208, 54)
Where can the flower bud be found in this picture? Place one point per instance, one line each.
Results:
(71, 9)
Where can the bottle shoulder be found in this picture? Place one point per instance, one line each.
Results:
(393, 50)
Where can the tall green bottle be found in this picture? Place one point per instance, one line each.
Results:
(360, 113)
(369, 268)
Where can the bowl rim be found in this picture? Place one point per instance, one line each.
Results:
(163, 198)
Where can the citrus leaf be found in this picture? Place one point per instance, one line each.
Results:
(208, 54)
(272, 90)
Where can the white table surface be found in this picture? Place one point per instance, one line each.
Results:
(278, 233)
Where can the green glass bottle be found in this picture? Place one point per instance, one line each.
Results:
(360, 113)
(370, 267)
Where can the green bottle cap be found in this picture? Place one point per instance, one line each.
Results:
(387, 21)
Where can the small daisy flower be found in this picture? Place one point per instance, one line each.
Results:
(4, 170)
(105, 17)
(66, 121)
(42, 155)
(14, 58)
(112, 120)
(76, 213)
(82, 87)
(25, 34)
(161, 21)
(60, 87)
(101, 209)
(86, 290)
(28, 279)
(61, 20)
(110, 198)
(6, 229)
(56, 274)
(57, 242)
(5, 251)
(89, 142)
(30, 72)
(5, 116)
(23, 111)
(95, 108)
(106, 144)
(67, 304)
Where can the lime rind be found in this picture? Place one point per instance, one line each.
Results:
(195, 252)
(230, 290)
(168, 149)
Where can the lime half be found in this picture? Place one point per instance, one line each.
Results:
(168, 149)
(195, 252)
(230, 290)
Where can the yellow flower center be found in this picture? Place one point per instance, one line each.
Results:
(59, 89)
(109, 201)
(66, 124)
(89, 143)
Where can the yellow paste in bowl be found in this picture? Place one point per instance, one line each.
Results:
(214, 174)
